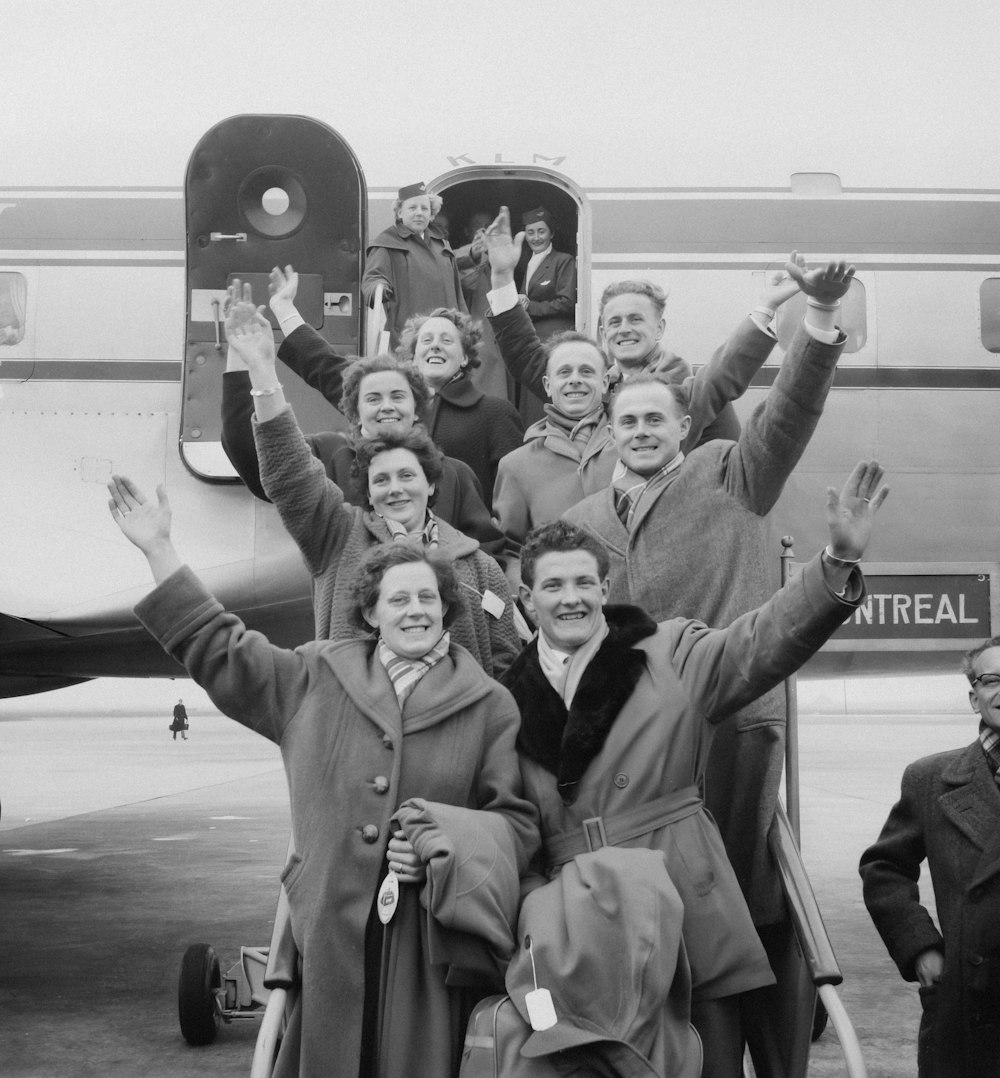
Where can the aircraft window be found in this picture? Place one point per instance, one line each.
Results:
(989, 314)
(275, 201)
(852, 318)
(13, 304)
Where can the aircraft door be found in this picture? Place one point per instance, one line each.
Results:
(261, 191)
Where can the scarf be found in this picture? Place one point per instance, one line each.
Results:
(577, 431)
(565, 668)
(630, 487)
(427, 537)
(405, 673)
(990, 740)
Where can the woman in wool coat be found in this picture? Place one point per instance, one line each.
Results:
(400, 473)
(364, 726)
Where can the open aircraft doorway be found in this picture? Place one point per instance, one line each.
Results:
(482, 189)
(261, 191)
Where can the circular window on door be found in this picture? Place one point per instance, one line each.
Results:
(273, 201)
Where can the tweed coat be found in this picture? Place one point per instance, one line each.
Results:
(334, 537)
(949, 815)
(420, 274)
(460, 497)
(702, 547)
(640, 727)
(351, 757)
(552, 294)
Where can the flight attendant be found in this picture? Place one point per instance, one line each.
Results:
(413, 261)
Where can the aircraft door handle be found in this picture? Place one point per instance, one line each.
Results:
(217, 310)
(217, 237)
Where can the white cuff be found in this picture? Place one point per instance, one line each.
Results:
(824, 336)
(290, 322)
(503, 298)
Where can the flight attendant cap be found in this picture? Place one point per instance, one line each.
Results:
(411, 191)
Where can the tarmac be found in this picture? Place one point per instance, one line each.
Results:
(120, 846)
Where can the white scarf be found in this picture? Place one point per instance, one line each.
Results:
(564, 669)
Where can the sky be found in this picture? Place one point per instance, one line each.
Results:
(632, 92)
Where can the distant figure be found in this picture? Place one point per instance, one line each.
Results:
(180, 723)
(474, 265)
(948, 815)
(413, 261)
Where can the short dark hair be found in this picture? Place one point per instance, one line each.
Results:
(568, 336)
(558, 537)
(357, 370)
(383, 557)
(470, 333)
(677, 390)
(635, 287)
(973, 653)
(416, 440)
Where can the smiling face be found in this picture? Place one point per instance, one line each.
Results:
(437, 351)
(575, 378)
(408, 614)
(567, 597)
(415, 213)
(648, 426)
(539, 235)
(632, 327)
(385, 404)
(985, 699)
(398, 488)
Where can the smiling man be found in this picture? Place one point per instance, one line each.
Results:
(949, 815)
(618, 713)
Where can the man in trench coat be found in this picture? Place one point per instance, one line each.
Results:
(949, 815)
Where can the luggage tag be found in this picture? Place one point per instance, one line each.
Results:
(541, 1010)
(388, 897)
(493, 604)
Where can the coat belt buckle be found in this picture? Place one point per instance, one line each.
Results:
(594, 834)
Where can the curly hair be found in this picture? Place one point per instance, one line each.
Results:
(656, 295)
(678, 390)
(436, 203)
(556, 538)
(380, 559)
(470, 333)
(356, 371)
(416, 440)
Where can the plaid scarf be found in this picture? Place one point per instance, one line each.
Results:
(405, 673)
(990, 740)
(629, 487)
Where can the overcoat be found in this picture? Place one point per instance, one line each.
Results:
(461, 499)
(703, 547)
(949, 815)
(333, 538)
(421, 273)
(640, 728)
(552, 294)
(351, 757)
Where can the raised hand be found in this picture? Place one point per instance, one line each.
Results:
(253, 342)
(282, 286)
(143, 523)
(780, 287)
(239, 306)
(825, 284)
(850, 514)
(503, 249)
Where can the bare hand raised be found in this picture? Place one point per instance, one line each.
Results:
(850, 514)
(239, 306)
(504, 251)
(253, 341)
(282, 286)
(142, 522)
(825, 284)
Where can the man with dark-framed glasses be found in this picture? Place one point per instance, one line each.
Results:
(949, 815)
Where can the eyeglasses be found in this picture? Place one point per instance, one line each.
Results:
(988, 681)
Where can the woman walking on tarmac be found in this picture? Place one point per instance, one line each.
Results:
(398, 748)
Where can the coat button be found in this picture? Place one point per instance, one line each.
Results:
(369, 833)
(387, 741)
(381, 784)
(976, 959)
(621, 780)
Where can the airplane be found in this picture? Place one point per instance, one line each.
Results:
(111, 352)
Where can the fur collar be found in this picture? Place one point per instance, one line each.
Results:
(565, 744)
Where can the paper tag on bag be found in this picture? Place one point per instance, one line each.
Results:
(493, 604)
(541, 1010)
(388, 897)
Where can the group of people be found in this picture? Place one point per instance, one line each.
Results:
(545, 665)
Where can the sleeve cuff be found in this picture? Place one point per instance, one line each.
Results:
(502, 299)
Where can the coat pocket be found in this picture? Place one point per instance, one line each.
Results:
(696, 850)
